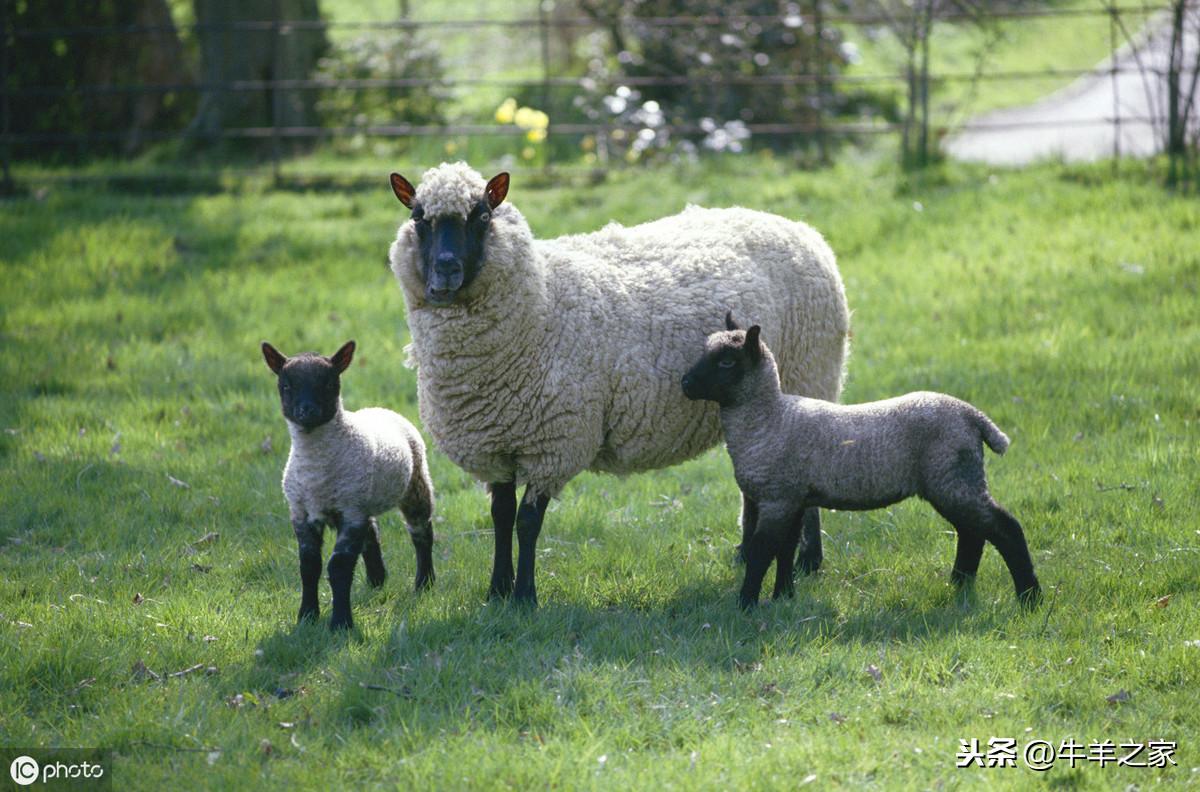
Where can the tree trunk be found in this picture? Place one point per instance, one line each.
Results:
(232, 50)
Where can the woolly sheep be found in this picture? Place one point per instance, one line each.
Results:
(344, 470)
(790, 453)
(538, 359)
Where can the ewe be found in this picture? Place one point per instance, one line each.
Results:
(538, 359)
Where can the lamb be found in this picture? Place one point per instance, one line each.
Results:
(344, 470)
(791, 453)
(538, 359)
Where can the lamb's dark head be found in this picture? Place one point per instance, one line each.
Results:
(309, 384)
(452, 217)
(730, 356)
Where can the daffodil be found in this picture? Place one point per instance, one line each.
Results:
(504, 113)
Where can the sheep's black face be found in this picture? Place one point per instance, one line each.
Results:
(728, 357)
(309, 384)
(451, 246)
(451, 251)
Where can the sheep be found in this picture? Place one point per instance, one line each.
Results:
(791, 453)
(538, 359)
(344, 470)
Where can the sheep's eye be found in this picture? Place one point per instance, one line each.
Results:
(283, 386)
(485, 217)
(726, 363)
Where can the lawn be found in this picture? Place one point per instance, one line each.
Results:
(143, 531)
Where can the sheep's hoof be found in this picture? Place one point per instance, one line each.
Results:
(376, 579)
(526, 599)
(500, 589)
(424, 581)
(739, 556)
(747, 603)
(808, 565)
(339, 622)
(1031, 597)
(308, 614)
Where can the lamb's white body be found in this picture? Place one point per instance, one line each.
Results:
(359, 465)
(565, 355)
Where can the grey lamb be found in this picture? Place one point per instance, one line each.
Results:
(345, 469)
(791, 452)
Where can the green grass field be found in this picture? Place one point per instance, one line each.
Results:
(142, 528)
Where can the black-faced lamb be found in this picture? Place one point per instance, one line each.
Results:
(538, 359)
(791, 453)
(345, 469)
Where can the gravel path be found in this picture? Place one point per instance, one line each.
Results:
(1076, 123)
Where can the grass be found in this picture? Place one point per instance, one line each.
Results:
(1062, 301)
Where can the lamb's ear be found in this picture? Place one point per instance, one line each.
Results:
(341, 359)
(496, 189)
(403, 189)
(275, 359)
(753, 345)
(729, 323)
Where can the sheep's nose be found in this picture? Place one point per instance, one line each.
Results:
(447, 257)
(686, 381)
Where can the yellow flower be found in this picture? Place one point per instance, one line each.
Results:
(451, 147)
(588, 143)
(524, 117)
(527, 153)
(540, 120)
(504, 113)
(535, 135)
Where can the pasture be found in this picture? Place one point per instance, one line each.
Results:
(143, 532)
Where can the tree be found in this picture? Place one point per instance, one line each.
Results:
(256, 41)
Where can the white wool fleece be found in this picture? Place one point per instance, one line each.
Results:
(358, 465)
(566, 354)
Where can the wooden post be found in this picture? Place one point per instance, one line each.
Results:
(1116, 90)
(6, 186)
(544, 31)
(276, 93)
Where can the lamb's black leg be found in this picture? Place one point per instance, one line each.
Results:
(373, 556)
(1009, 539)
(529, 525)
(774, 529)
(417, 508)
(808, 560)
(504, 514)
(309, 534)
(966, 558)
(351, 536)
(749, 521)
(785, 583)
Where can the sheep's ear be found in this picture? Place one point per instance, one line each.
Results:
(275, 359)
(753, 345)
(341, 359)
(496, 189)
(729, 323)
(403, 189)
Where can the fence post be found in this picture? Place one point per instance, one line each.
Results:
(276, 94)
(821, 66)
(1116, 91)
(544, 33)
(6, 187)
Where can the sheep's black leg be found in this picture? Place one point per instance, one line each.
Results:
(529, 525)
(351, 536)
(808, 560)
(417, 509)
(749, 521)
(373, 556)
(966, 558)
(504, 514)
(774, 529)
(1009, 539)
(309, 534)
(785, 583)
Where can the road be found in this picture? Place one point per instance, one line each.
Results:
(1076, 123)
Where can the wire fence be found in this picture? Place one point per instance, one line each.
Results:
(544, 78)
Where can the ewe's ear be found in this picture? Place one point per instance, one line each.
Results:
(403, 189)
(753, 345)
(341, 359)
(275, 359)
(729, 323)
(496, 189)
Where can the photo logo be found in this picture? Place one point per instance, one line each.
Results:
(24, 770)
